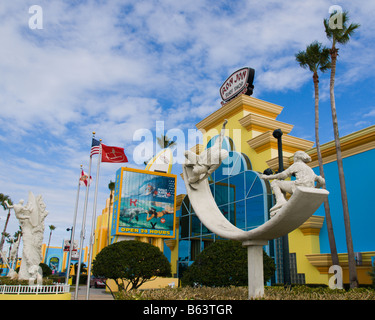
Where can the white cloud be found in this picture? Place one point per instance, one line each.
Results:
(371, 113)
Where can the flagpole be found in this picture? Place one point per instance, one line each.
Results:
(92, 236)
(73, 229)
(83, 231)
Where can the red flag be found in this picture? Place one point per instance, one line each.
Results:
(84, 179)
(113, 154)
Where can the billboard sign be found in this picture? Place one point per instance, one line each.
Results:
(67, 245)
(240, 81)
(144, 203)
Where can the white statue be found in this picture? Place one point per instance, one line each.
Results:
(13, 259)
(305, 177)
(14, 250)
(3, 256)
(12, 274)
(31, 218)
(208, 161)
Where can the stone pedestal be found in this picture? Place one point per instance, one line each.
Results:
(255, 267)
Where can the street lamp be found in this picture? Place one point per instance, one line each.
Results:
(285, 242)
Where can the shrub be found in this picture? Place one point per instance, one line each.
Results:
(9, 281)
(224, 263)
(46, 269)
(133, 261)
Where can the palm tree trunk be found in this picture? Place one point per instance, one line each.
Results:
(331, 236)
(4, 231)
(109, 216)
(344, 198)
(49, 241)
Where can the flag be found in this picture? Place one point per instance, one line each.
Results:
(95, 147)
(84, 179)
(113, 154)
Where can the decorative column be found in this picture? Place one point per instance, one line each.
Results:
(255, 267)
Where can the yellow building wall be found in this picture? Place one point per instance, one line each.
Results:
(306, 244)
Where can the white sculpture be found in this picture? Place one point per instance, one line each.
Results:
(14, 251)
(13, 259)
(301, 206)
(12, 274)
(305, 177)
(208, 161)
(31, 218)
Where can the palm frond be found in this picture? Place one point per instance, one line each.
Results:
(316, 57)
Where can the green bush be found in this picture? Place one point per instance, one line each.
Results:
(9, 281)
(46, 269)
(82, 279)
(224, 263)
(133, 261)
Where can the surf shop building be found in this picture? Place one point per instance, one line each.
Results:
(245, 199)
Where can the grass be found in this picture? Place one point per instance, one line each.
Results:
(240, 293)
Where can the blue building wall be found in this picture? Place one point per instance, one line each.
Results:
(358, 177)
(55, 258)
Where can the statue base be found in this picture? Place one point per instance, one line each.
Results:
(255, 267)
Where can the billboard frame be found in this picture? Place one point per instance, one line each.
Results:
(115, 227)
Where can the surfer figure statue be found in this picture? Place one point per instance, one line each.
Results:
(305, 177)
(206, 162)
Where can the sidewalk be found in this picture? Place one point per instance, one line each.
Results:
(94, 294)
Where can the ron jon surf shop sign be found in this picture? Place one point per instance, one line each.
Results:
(240, 81)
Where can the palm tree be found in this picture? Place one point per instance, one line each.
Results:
(317, 58)
(341, 35)
(3, 200)
(165, 142)
(111, 187)
(51, 228)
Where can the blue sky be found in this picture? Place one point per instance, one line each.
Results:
(115, 67)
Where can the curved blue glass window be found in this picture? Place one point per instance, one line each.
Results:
(232, 165)
(241, 196)
(227, 143)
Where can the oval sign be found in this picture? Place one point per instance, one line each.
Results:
(238, 82)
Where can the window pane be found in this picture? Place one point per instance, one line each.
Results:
(185, 206)
(253, 184)
(237, 187)
(240, 214)
(255, 212)
(232, 213)
(221, 192)
(183, 250)
(195, 226)
(184, 226)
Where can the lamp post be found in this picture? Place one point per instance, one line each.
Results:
(285, 242)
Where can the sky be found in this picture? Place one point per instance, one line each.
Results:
(123, 68)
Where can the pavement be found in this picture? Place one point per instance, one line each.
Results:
(94, 293)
